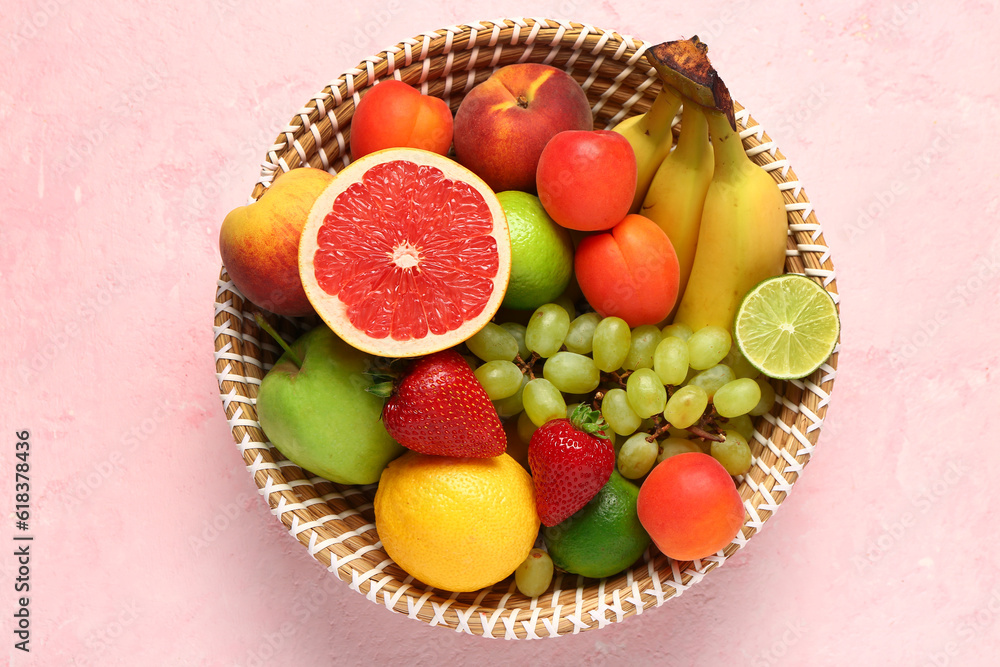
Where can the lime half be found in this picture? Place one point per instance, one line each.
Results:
(787, 326)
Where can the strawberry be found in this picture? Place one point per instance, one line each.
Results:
(440, 408)
(571, 460)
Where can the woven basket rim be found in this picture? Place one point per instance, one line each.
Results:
(335, 522)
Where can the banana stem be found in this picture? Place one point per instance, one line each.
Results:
(693, 143)
(664, 108)
(729, 153)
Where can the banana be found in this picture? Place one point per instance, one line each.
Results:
(676, 196)
(743, 233)
(650, 137)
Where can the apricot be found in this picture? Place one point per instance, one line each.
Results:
(503, 124)
(630, 271)
(689, 505)
(392, 114)
(586, 180)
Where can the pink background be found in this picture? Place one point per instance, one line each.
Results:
(130, 130)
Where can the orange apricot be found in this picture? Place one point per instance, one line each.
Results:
(629, 272)
(689, 505)
(393, 114)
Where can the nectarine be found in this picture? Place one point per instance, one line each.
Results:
(259, 242)
(504, 123)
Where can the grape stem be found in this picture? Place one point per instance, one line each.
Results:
(704, 435)
(619, 379)
(598, 398)
(527, 366)
(661, 428)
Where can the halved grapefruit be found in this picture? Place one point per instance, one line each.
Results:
(405, 253)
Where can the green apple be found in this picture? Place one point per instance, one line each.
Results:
(318, 414)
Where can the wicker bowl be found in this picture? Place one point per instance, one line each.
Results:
(336, 523)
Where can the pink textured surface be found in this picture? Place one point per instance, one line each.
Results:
(130, 130)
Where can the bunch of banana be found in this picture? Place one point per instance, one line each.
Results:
(724, 214)
(742, 237)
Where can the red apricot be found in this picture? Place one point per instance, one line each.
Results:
(586, 180)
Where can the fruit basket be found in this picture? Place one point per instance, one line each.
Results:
(336, 523)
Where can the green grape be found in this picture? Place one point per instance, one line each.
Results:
(646, 394)
(570, 407)
(741, 367)
(517, 331)
(567, 304)
(493, 342)
(670, 360)
(645, 338)
(736, 398)
(742, 425)
(677, 330)
(637, 456)
(572, 373)
(534, 575)
(580, 338)
(733, 454)
(713, 379)
(525, 427)
(500, 379)
(767, 397)
(674, 446)
(675, 432)
(543, 402)
(618, 412)
(510, 406)
(686, 406)
(708, 346)
(612, 339)
(547, 329)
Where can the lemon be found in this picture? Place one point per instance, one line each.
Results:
(604, 537)
(541, 252)
(459, 524)
(787, 326)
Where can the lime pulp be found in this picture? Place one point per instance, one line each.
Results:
(787, 326)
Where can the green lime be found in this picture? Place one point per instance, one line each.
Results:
(541, 252)
(787, 326)
(604, 537)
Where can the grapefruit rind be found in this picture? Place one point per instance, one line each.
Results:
(334, 312)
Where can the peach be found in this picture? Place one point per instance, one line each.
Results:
(259, 242)
(504, 123)
(629, 272)
(586, 180)
(392, 114)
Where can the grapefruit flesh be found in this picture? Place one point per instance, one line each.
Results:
(405, 253)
